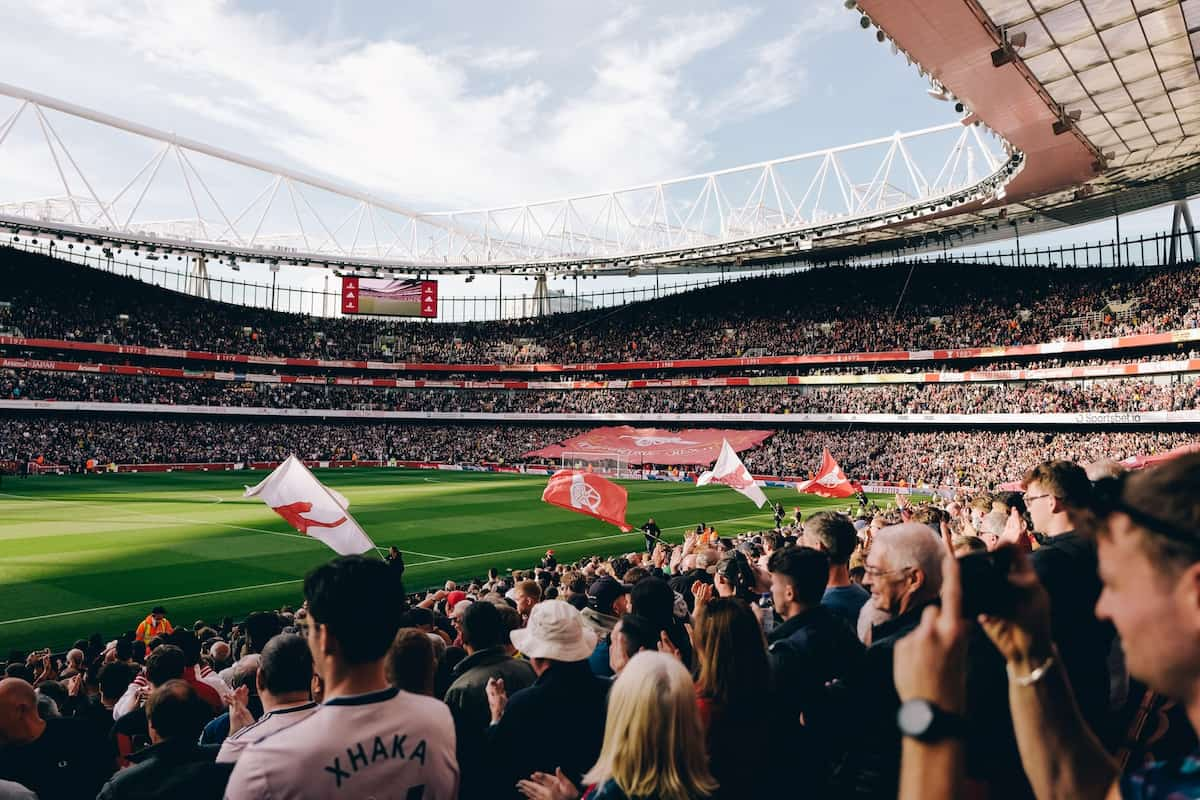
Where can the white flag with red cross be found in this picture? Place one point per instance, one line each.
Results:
(730, 471)
(312, 508)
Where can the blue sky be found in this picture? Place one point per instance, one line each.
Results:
(467, 104)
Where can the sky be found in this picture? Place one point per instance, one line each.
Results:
(463, 104)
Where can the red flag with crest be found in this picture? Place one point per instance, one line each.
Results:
(829, 481)
(588, 494)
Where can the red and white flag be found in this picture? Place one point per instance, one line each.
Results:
(588, 494)
(829, 481)
(312, 508)
(730, 471)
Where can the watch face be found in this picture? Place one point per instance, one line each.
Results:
(915, 717)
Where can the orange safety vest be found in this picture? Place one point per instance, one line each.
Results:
(148, 630)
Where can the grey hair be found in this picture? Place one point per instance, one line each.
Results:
(994, 523)
(914, 544)
(245, 671)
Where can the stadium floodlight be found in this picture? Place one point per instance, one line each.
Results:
(864, 22)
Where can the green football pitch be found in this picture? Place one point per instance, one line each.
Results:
(86, 554)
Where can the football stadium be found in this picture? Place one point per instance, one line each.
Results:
(861, 461)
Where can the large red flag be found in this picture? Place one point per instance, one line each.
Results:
(588, 494)
(829, 481)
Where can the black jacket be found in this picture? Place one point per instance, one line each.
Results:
(1067, 566)
(530, 737)
(177, 768)
(872, 769)
(467, 699)
(814, 656)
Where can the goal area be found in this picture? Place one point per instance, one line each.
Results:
(612, 465)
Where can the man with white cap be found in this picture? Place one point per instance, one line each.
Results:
(557, 644)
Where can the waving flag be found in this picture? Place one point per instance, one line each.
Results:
(295, 494)
(829, 481)
(730, 471)
(588, 494)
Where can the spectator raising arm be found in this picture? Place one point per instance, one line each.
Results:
(930, 667)
(1062, 756)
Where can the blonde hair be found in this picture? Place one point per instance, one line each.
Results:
(653, 741)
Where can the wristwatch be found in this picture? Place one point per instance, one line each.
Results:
(925, 722)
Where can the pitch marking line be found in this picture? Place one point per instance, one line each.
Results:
(164, 519)
(301, 580)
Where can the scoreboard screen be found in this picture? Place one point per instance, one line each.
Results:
(389, 297)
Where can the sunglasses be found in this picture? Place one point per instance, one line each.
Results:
(1106, 499)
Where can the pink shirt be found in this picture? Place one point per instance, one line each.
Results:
(382, 744)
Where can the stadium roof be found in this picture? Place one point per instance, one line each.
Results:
(1094, 106)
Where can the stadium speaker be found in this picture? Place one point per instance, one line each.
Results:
(864, 22)
(1060, 126)
(1002, 56)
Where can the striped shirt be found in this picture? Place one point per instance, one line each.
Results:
(271, 722)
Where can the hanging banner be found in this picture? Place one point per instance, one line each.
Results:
(656, 446)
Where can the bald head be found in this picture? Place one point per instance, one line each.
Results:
(220, 652)
(19, 719)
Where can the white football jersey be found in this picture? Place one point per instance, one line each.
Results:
(382, 745)
(270, 723)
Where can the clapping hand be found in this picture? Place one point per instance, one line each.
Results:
(239, 712)
(540, 786)
(665, 645)
(497, 698)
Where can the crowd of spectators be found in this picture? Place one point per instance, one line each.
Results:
(1014, 644)
(1034, 397)
(935, 456)
(826, 310)
(72, 440)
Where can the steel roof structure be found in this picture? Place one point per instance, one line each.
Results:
(1072, 111)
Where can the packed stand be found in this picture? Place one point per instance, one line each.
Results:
(934, 457)
(991, 305)
(1032, 397)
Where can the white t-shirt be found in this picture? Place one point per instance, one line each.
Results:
(385, 744)
(270, 723)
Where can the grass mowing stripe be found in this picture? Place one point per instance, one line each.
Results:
(163, 519)
(59, 560)
(419, 563)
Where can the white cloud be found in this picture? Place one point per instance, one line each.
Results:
(615, 26)
(776, 76)
(410, 123)
(503, 59)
